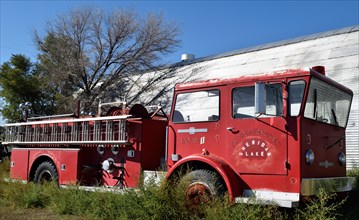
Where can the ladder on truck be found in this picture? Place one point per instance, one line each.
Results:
(70, 131)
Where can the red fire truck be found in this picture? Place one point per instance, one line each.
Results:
(272, 137)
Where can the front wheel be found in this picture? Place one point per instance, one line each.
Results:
(46, 172)
(203, 186)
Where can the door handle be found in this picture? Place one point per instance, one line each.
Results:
(233, 130)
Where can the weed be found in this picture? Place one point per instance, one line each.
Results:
(4, 168)
(354, 172)
(150, 202)
(320, 208)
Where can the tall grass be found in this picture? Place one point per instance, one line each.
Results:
(150, 202)
(4, 168)
(354, 172)
(323, 207)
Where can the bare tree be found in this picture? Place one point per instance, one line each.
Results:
(89, 52)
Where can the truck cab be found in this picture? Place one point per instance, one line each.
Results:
(276, 137)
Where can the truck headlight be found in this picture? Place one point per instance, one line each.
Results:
(342, 159)
(309, 157)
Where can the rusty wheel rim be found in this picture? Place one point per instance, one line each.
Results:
(45, 176)
(196, 194)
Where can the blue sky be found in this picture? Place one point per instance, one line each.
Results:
(207, 27)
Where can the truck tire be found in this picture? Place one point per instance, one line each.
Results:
(46, 172)
(203, 186)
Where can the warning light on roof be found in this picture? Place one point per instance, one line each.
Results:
(319, 69)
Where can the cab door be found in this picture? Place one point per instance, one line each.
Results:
(257, 144)
(195, 126)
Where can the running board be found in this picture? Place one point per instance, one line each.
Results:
(257, 201)
(115, 190)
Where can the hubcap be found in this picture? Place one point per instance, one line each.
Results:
(198, 193)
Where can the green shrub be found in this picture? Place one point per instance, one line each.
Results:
(228, 211)
(4, 169)
(323, 207)
(354, 172)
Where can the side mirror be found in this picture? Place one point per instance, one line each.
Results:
(260, 98)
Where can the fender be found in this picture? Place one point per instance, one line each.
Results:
(231, 179)
(38, 159)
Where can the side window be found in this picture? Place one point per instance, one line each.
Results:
(296, 92)
(196, 106)
(243, 101)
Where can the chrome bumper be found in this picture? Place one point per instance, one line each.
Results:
(268, 197)
(311, 186)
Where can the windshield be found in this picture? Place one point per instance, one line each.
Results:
(327, 103)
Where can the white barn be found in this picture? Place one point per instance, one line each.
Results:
(337, 50)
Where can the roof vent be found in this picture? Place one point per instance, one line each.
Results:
(187, 57)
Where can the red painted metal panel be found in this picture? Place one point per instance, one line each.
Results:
(65, 161)
(317, 136)
(19, 164)
(257, 145)
(68, 166)
(195, 138)
(153, 144)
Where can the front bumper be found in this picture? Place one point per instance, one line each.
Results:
(311, 186)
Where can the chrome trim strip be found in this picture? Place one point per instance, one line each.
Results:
(257, 201)
(166, 144)
(266, 197)
(268, 194)
(111, 189)
(9, 180)
(311, 186)
(193, 130)
(326, 164)
(119, 117)
(66, 142)
(38, 148)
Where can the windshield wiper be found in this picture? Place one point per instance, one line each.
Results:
(335, 118)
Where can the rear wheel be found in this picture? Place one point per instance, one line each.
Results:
(203, 186)
(46, 172)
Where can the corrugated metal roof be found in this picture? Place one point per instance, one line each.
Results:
(272, 45)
